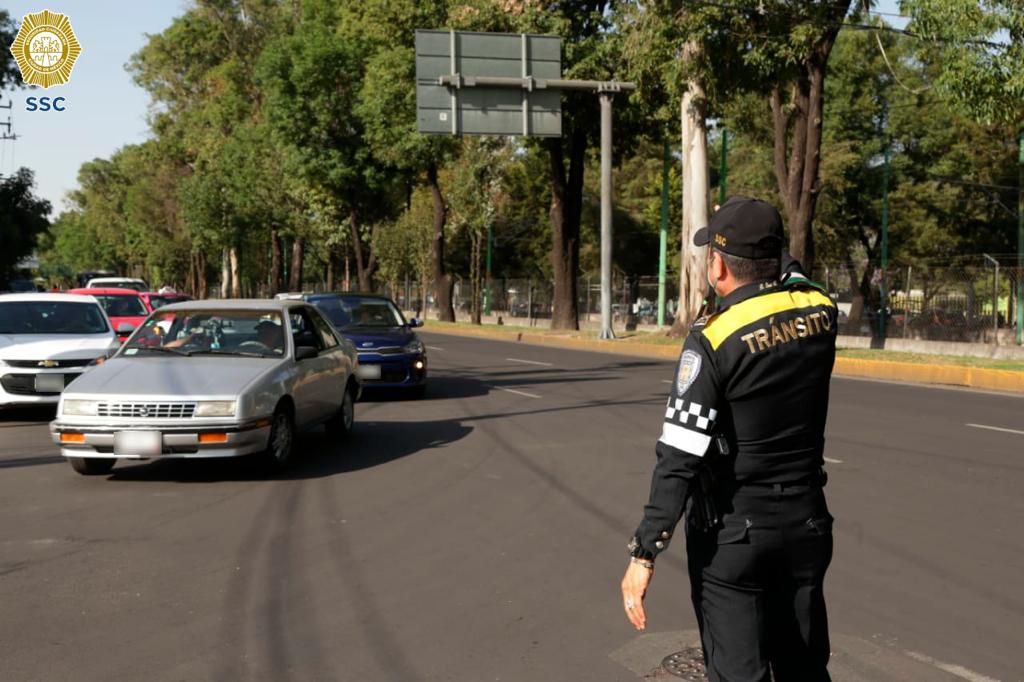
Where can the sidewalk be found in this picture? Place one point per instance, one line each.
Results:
(885, 370)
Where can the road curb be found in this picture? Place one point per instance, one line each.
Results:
(887, 370)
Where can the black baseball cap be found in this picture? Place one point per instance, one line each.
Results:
(744, 227)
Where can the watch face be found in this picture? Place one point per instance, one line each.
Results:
(634, 544)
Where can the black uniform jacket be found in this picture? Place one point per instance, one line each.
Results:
(756, 372)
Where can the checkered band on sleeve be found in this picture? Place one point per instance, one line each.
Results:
(688, 426)
(688, 413)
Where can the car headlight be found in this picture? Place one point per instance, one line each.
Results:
(414, 346)
(215, 408)
(80, 408)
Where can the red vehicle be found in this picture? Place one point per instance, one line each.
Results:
(156, 299)
(125, 308)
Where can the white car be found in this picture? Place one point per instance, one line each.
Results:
(46, 341)
(117, 283)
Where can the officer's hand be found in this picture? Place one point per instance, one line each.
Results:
(634, 587)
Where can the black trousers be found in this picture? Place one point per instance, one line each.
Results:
(756, 585)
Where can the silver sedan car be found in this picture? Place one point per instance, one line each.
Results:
(211, 379)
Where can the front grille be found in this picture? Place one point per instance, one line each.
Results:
(25, 384)
(385, 350)
(390, 374)
(147, 410)
(36, 364)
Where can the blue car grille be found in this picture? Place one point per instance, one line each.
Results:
(385, 350)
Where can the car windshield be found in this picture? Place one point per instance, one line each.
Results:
(135, 284)
(358, 311)
(256, 333)
(161, 301)
(44, 317)
(122, 305)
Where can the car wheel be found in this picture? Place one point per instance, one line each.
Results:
(344, 421)
(282, 439)
(92, 466)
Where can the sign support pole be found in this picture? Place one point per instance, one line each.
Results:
(606, 215)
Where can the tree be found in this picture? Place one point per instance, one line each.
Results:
(387, 110)
(22, 217)
(981, 46)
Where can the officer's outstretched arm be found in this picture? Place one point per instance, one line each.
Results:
(685, 439)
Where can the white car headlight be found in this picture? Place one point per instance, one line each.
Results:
(414, 346)
(80, 408)
(215, 408)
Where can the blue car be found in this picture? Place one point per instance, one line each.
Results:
(390, 353)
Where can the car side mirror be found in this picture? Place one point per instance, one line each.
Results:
(305, 353)
(415, 323)
(125, 328)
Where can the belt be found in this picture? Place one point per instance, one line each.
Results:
(817, 480)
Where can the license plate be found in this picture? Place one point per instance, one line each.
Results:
(369, 371)
(49, 383)
(138, 443)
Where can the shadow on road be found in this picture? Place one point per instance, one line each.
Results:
(372, 444)
(11, 417)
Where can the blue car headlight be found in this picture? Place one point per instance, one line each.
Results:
(414, 346)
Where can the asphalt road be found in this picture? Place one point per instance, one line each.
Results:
(479, 534)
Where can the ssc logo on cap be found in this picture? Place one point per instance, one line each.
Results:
(721, 240)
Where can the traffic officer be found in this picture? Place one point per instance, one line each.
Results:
(741, 451)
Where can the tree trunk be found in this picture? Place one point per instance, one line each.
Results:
(798, 124)
(236, 283)
(443, 282)
(348, 276)
(365, 266)
(566, 211)
(275, 262)
(295, 269)
(692, 271)
(329, 284)
(225, 274)
(474, 275)
(202, 280)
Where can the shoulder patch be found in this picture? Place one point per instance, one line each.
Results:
(689, 368)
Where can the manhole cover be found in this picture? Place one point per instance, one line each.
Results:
(687, 664)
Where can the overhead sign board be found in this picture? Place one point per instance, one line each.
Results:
(466, 107)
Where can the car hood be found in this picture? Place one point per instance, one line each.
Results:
(54, 346)
(368, 339)
(168, 376)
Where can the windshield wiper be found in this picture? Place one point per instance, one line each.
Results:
(219, 351)
(158, 349)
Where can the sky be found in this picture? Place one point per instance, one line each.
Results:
(105, 109)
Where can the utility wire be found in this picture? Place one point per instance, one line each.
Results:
(888, 64)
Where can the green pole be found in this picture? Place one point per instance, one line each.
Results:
(663, 245)
(884, 294)
(1020, 242)
(724, 168)
(487, 286)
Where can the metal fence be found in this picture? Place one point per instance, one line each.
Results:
(973, 299)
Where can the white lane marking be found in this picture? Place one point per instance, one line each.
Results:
(512, 390)
(951, 668)
(996, 428)
(833, 461)
(531, 362)
(435, 348)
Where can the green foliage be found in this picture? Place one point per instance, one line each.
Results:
(980, 49)
(22, 217)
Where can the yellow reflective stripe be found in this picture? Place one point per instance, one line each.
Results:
(722, 326)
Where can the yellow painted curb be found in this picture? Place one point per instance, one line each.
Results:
(953, 375)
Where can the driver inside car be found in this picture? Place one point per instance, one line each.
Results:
(270, 335)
